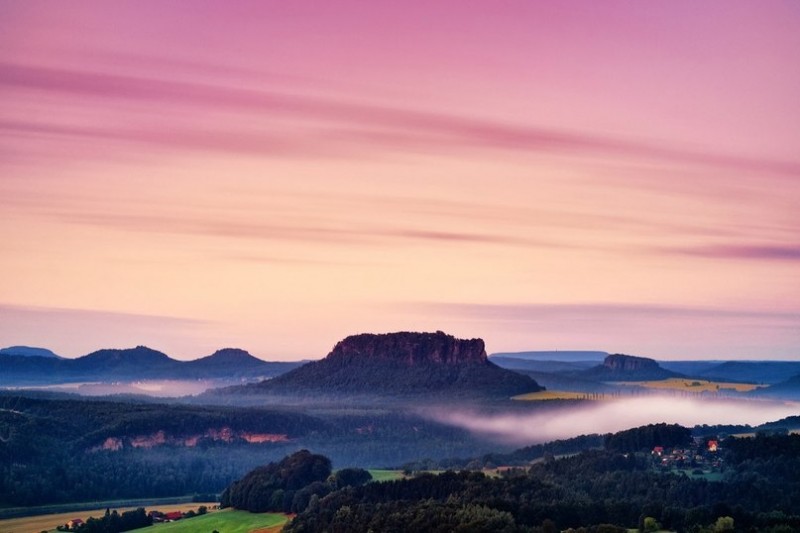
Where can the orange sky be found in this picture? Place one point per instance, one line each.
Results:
(276, 176)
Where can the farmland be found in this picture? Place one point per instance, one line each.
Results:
(553, 395)
(385, 475)
(692, 385)
(228, 521)
(48, 522)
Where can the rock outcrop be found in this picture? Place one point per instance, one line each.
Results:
(399, 364)
(619, 367)
(411, 348)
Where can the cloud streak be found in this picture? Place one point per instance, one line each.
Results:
(755, 252)
(386, 126)
(599, 311)
(95, 328)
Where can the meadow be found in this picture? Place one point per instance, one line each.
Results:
(385, 475)
(49, 522)
(553, 395)
(226, 521)
(692, 385)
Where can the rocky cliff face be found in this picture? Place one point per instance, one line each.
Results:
(618, 367)
(629, 363)
(400, 365)
(410, 348)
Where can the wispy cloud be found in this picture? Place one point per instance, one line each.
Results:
(598, 311)
(387, 126)
(757, 252)
(85, 330)
(374, 234)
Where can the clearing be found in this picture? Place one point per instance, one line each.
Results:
(227, 521)
(48, 522)
(692, 385)
(386, 475)
(554, 395)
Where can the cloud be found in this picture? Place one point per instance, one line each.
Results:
(758, 252)
(75, 332)
(547, 423)
(597, 311)
(375, 235)
(389, 127)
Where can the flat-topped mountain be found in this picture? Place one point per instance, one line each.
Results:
(410, 348)
(400, 364)
(619, 367)
(27, 351)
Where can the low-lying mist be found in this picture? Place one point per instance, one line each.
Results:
(545, 423)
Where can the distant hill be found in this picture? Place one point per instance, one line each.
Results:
(140, 361)
(619, 367)
(234, 362)
(788, 389)
(400, 364)
(690, 368)
(553, 355)
(27, 351)
(135, 364)
(537, 365)
(753, 371)
(565, 382)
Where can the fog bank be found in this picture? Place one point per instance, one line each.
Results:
(545, 423)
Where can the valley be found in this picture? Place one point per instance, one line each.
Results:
(399, 404)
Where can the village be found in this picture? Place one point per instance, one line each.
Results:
(701, 457)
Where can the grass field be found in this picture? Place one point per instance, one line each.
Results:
(48, 522)
(692, 385)
(552, 395)
(226, 521)
(386, 475)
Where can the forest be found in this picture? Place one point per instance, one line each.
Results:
(596, 490)
(51, 448)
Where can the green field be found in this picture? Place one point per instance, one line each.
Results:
(546, 395)
(692, 385)
(226, 521)
(386, 475)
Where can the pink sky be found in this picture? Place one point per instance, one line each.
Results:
(621, 176)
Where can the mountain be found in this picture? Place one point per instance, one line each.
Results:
(540, 365)
(690, 368)
(400, 364)
(553, 355)
(136, 363)
(27, 351)
(235, 362)
(788, 389)
(752, 371)
(619, 367)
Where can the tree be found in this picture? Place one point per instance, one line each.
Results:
(724, 523)
(650, 524)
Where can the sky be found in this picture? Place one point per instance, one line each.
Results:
(276, 176)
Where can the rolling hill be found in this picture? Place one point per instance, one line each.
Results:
(136, 363)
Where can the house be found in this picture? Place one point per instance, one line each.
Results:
(75, 522)
(712, 446)
(173, 515)
(658, 450)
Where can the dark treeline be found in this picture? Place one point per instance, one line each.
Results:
(51, 448)
(759, 492)
(290, 485)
